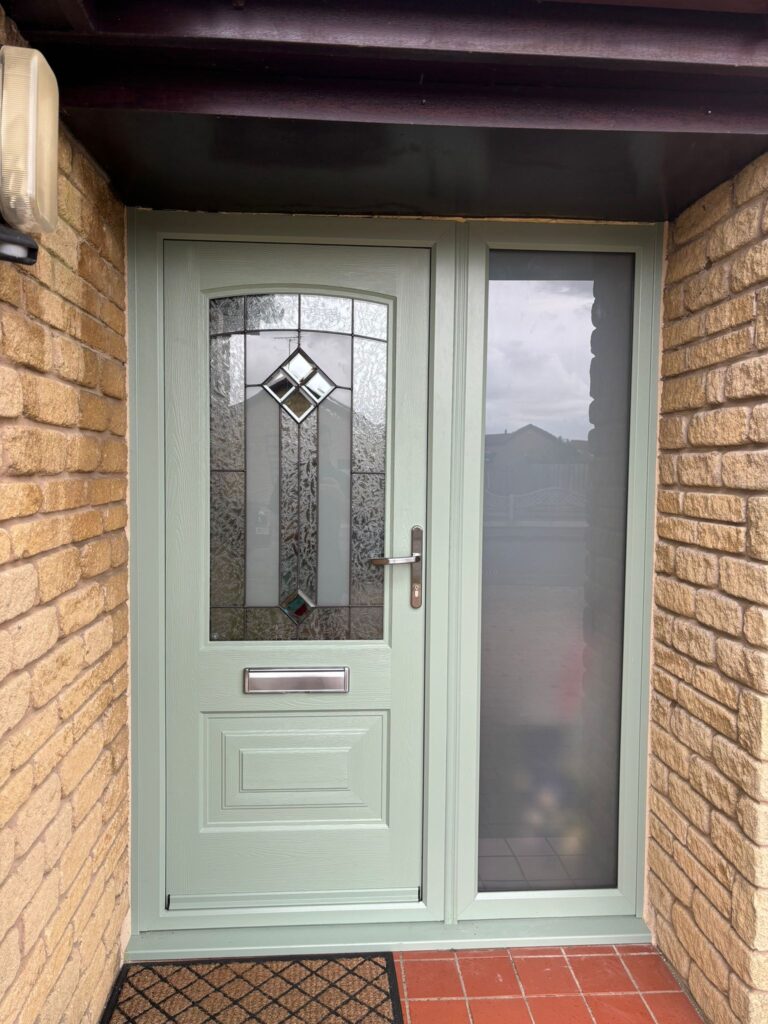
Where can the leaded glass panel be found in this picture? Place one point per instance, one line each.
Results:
(298, 421)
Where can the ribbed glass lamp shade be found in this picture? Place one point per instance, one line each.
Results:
(29, 140)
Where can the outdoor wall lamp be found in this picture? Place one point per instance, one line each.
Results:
(29, 142)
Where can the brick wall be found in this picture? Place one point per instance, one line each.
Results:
(708, 823)
(63, 612)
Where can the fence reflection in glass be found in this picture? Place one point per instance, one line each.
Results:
(554, 538)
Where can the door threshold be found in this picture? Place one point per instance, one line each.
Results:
(183, 944)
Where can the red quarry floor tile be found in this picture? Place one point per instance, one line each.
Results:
(640, 947)
(427, 954)
(545, 976)
(601, 974)
(489, 976)
(526, 951)
(439, 1011)
(673, 1008)
(432, 979)
(559, 1010)
(622, 1009)
(480, 952)
(650, 973)
(588, 950)
(500, 1011)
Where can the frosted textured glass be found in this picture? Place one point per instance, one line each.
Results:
(554, 536)
(227, 539)
(227, 402)
(333, 494)
(272, 312)
(326, 313)
(263, 499)
(226, 316)
(369, 406)
(371, 319)
(307, 463)
(367, 582)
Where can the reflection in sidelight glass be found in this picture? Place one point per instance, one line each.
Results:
(554, 537)
(298, 409)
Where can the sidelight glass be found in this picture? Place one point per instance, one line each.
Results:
(554, 540)
(298, 424)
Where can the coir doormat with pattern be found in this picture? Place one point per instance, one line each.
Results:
(345, 989)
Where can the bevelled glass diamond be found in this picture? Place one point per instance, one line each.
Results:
(299, 367)
(279, 385)
(297, 606)
(298, 405)
(318, 386)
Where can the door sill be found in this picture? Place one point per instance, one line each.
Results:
(250, 941)
(277, 900)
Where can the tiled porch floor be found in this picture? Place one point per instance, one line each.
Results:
(557, 985)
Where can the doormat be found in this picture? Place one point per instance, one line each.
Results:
(347, 989)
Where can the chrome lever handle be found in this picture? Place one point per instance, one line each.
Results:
(414, 560)
(402, 560)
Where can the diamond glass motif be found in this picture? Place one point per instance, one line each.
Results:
(299, 367)
(298, 385)
(298, 405)
(297, 606)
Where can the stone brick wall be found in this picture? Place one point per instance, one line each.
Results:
(708, 821)
(63, 612)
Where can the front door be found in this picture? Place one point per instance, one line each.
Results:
(296, 448)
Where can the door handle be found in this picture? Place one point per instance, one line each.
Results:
(415, 562)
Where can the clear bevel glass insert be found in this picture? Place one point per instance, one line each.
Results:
(298, 422)
(554, 536)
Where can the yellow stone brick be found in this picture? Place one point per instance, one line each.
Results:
(95, 411)
(118, 549)
(731, 313)
(32, 636)
(752, 816)
(37, 813)
(752, 181)
(688, 392)
(748, 378)
(31, 537)
(756, 626)
(708, 287)
(24, 341)
(680, 332)
(749, 1005)
(18, 591)
(704, 213)
(10, 960)
(670, 751)
(80, 607)
(741, 768)
(744, 579)
(743, 663)
(19, 498)
(80, 848)
(750, 267)
(716, 789)
(56, 670)
(710, 998)
(753, 724)
(92, 787)
(96, 557)
(58, 495)
(80, 759)
(719, 427)
(14, 700)
(112, 378)
(747, 470)
(714, 684)
(673, 431)
(710, 712)
(20, 887)
(700, 948)
(719, 537)
(695, 641)
(28, 450)
(11, 395)
(14, 794)
(49, 755)
(98, 639)
(49, 401)
(677, 528)
(675, 596)
(85, 524)
(757, 527)
(664, 555)
(104, 489)
(698, 469)
(58, 573)
(114, 456)
(689, 803)
(671, 875)
(687, 260)
(34, 731)
(696, 566)
(739, 229)
(83, 453)
(758, 424)
(718, 349)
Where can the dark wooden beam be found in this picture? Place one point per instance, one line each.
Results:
(614, 106)
(633, 37)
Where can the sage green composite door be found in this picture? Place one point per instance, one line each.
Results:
(296, 446)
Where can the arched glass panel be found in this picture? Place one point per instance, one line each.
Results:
(298, 412)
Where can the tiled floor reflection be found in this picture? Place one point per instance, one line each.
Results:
(573, 985)
(513, 864)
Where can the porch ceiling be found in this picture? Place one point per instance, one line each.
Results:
(410, 106)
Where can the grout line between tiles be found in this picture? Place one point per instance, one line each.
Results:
(578, 986)
(404, 993)
(470, 1016)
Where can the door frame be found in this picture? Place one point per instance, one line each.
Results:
(451, 669)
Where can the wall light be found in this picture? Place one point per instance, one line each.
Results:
(29, 142)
